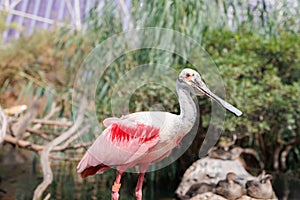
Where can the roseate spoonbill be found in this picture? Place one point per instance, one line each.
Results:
(230, 188)
(143, 138)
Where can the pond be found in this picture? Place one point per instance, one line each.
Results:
(20, 174)
(18, 180)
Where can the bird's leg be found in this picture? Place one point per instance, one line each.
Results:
(139, 187)
(116, 186)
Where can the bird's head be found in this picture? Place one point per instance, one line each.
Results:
(233, 177)
(191, 80)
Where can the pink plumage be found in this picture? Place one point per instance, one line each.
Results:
(118, 145)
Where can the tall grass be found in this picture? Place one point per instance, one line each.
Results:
(193, 18)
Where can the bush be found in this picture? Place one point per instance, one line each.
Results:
(262, 77)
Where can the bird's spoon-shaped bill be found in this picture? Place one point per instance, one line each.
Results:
(201, 87)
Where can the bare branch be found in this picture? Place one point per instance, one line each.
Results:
(40, 133)
(64, 158)
(53, 110)
(276, 157)
(27, 118)
(75, 146)
(23, 144)
(47, 196)
(254, 153)
(277, 150)
(234, 138)
(288, 147)
(52, 122)
(3, 123)
(47, 172)
(283, 156)
(71, 139)
(37, 148)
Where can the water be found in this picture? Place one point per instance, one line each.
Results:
(20, 176)
(18, 181)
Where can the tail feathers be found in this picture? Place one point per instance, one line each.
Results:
(93, 170)
(88, 166)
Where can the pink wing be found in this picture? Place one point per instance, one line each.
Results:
(120, 144)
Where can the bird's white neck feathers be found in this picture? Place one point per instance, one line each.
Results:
(188, 110)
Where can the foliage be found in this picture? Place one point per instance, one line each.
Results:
(37, 60)
(262, 77)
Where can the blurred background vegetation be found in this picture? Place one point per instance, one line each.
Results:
(256, 49)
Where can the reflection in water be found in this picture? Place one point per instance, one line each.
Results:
(19, 179)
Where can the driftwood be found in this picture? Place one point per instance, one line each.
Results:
(26, 119)
(17, 131)
(52, 122)
(47, 172)
(23, 144)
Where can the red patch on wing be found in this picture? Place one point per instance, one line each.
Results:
(142, 132)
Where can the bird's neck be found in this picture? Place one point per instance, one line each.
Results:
(188, 110)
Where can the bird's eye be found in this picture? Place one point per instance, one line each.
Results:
(187, 75)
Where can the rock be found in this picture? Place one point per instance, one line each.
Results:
(210, 171)
(200, 180)
(208, 196)
(212, 196)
